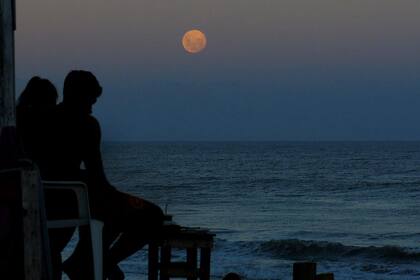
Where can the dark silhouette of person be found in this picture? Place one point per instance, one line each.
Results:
(34, 110)
(34, 107)
(77, 141)
(232, 276)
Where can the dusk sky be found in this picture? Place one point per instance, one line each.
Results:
(272, 70)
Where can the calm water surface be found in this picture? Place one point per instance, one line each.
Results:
(352, 207)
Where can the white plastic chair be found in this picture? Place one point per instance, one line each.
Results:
(95, 226)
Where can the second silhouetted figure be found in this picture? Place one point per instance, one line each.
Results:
(77, 143)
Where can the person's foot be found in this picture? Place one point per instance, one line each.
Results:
(115, 273)
(76, 271)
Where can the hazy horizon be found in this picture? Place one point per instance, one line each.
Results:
(272, 70)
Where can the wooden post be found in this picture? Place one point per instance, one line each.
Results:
(192, 262)
(165, 260)
(9, 150)
(32, 245)
(304, 271)
(205, 256)
(35, 242)
(153, 261)
(7, 65)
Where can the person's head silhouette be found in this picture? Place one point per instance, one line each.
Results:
(232, 276)
(81, 90)
(34, 111)
(38, 94)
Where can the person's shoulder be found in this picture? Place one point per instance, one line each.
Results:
(61, 112)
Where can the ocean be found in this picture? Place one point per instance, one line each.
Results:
(352, 207)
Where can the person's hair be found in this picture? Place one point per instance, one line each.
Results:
(38, 93)
(232, 276)
(79, 84)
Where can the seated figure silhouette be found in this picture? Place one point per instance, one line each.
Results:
(129, 222)
(34, 107)
(34, 111)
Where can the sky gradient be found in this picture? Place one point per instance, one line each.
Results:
(272, 70)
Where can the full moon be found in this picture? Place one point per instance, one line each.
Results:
(194, 41)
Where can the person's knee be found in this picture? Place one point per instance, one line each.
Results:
(153, 216)
(151, 210)
(157, 212)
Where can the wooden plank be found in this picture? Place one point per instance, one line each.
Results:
(183, 243)
(187, 238)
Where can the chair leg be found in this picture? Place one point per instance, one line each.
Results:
(96, 238)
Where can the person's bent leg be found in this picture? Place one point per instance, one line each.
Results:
(59, 204)
(78, 265)
(141, 221)
(58, 240)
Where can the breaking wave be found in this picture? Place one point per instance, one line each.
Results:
(323, 250)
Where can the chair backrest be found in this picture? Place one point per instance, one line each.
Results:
(80, 190)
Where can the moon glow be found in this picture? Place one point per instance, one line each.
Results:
(194, 41)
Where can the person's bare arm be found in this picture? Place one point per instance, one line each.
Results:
(93, 157)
